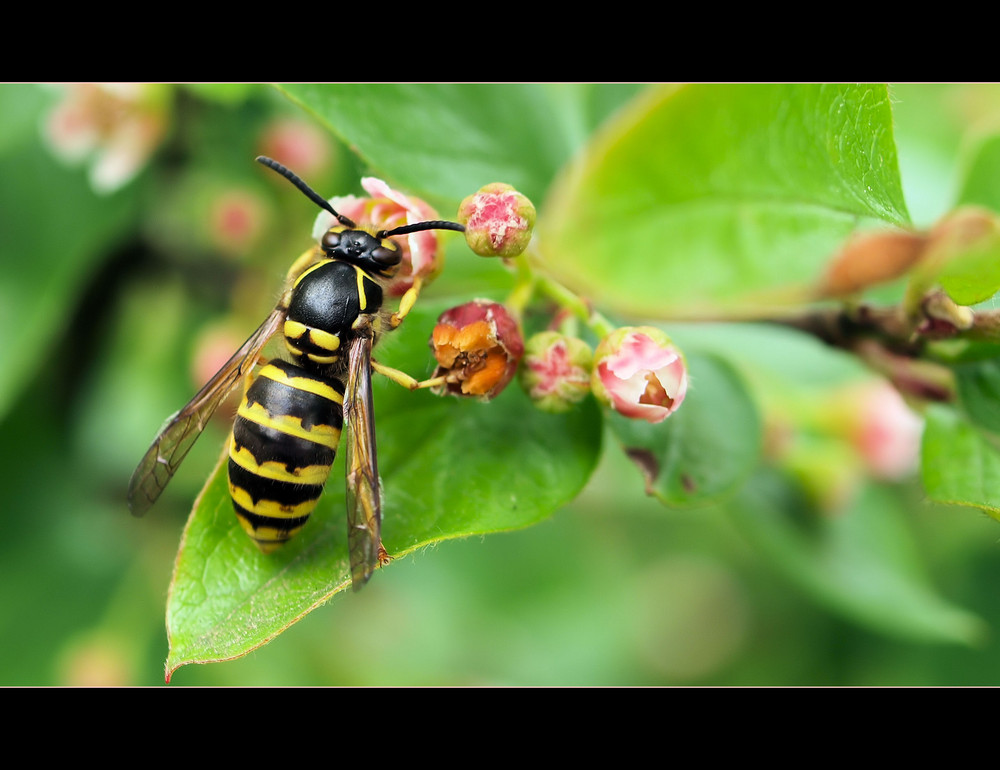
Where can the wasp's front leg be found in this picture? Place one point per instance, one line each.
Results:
(402, 378)
(406, 303)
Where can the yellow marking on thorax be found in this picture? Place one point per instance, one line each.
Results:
(324, 435)
(310, 269)
(322, 359)
(324, 339)
(296, 330)
(362, 298)
(310, 255)
(307, 384)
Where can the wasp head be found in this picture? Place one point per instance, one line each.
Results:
(379, 256)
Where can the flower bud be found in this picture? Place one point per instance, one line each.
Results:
(498, 221)
(387, 209)
(477, 346)
(556, 371)
(639, 373)
(886, 432)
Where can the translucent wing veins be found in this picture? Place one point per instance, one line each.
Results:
(364, 500)
(182, 429)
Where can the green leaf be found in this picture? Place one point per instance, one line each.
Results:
(707, 447)
(223, 93)
(929, 121)
(450, 469)
(978, 387)
(708, 197)
(53, 231)
(862, 564)
(981, 166)
(970, 265)
(959, 463)
(449, 140)
(21, 105)
(972, 275)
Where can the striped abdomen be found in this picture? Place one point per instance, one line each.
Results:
(284, 440)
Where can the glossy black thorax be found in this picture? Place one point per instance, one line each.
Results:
(332, 295)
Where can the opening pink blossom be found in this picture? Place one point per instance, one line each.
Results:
(640, 374)
(386, 210)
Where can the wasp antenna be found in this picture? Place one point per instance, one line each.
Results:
(416, 227)
(311, 194)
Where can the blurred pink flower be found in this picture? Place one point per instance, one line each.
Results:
(236, 220)
(887, 433)
(297, 144)
(116, 126)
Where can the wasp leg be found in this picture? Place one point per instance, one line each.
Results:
(383, 557)
(402, 378)
(406, 303)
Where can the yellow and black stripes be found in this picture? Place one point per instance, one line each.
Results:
(288, 428)
(284, 441)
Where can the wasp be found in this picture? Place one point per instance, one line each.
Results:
(289, 423)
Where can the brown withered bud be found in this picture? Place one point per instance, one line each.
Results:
(478, 346)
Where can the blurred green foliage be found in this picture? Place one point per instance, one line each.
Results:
(113, 307)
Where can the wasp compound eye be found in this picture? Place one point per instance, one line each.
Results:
(388, 257)
(331, 240)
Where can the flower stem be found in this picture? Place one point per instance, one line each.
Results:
(576, 305)
(524, 287)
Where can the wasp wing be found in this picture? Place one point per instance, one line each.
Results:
(364, 494)
(182, 429)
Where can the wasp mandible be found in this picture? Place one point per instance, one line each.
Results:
(287, 430)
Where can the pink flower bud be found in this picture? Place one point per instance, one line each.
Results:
(386, 209)
(498, 221)
(477, 346)
(236, 220)
(640, 374)
(556, 371)
(887, 433)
